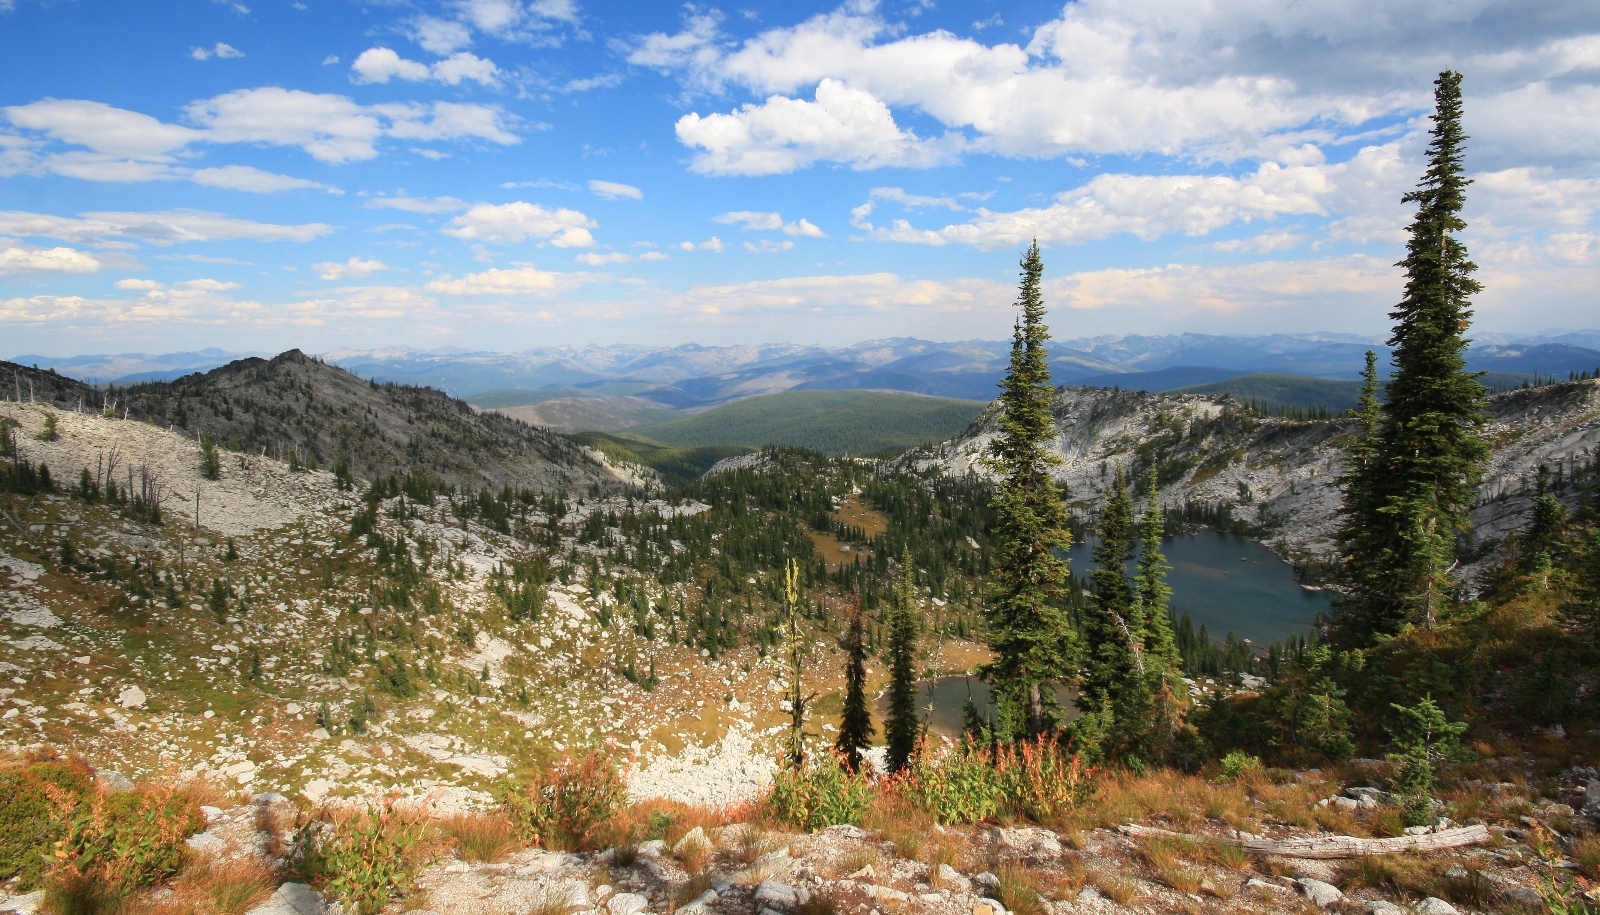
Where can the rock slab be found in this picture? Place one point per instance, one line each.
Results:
(292, 899)
(1321, 894)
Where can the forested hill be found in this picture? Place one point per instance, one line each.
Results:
(298, 408)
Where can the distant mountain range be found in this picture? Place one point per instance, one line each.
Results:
(613, 387)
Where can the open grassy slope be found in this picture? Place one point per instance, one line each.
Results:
(676, 465)
(835, 422)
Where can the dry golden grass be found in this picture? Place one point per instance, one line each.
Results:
(206, 792)
(857, 857)
(897, 820)
(553, 901)
(481, 838)
(1586, 855)
(1183, 879)
(1018, 890)
(211, 887)
(694, 853)
(1230, 856)
(1063, 885)
(689, 890)
(1117, 888)
(750, 841)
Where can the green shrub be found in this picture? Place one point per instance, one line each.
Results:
(1041, 781)
(1238, 764)
(958, 786)
(819, 794)
(364, 858)
(564, 806)
(29, 824)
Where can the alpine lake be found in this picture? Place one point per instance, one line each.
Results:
(1223, 582)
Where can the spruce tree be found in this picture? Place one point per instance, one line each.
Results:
(1033, 643)
(855, 727)
(1161, 659)
(1114, 668)
(1417, 487)
(901, 728)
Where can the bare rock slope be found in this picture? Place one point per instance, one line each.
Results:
(1279, 473)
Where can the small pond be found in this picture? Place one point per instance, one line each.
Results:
(948, 696)
(1225, 583)
(1230, 584)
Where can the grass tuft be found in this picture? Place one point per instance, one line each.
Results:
(482, 838)
(1018, 890)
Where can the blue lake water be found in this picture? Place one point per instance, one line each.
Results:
(1228, 584)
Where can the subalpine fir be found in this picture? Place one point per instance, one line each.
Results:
(1419, 485)
(1034, 645)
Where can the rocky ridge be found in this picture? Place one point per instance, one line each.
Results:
(1280, 474)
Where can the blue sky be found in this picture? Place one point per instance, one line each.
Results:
(498, 174)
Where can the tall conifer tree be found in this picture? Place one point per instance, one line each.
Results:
(901, 728)
(855, 727)
(1034, 645)
(1419, 485)
(1162, 662)
(1114, 668)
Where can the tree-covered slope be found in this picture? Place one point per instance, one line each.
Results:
(1272, 391)
(835, 422)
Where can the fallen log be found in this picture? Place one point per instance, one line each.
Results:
(1328, 846)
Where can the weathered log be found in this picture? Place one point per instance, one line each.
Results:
(1329, 846)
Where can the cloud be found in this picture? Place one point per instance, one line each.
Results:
(521, 281)
(439, 36)
(1265, 243)
(844, 125)
(596, 259)
(611, 190)
(1192, 78)
(15, 259)
(849, 296)
(416, 204)
(352, 268)
(336, 130)
(768, 246)
(1152, 206)
(379, 65)
(220, 50)
(104, 129)
(654, 256)
(713, 244)
(158, 304)
(245, 178)
(163, 228)
(751, 219)
(769, 222)
(513, 223)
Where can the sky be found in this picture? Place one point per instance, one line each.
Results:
(502, 174)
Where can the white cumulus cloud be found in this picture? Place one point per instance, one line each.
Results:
(844, 125)
(353, 268)
(512, 223)
(245, 178)
(417, 204)
(770, 222)
(519, 281)
(379, 65)
(16, 259)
